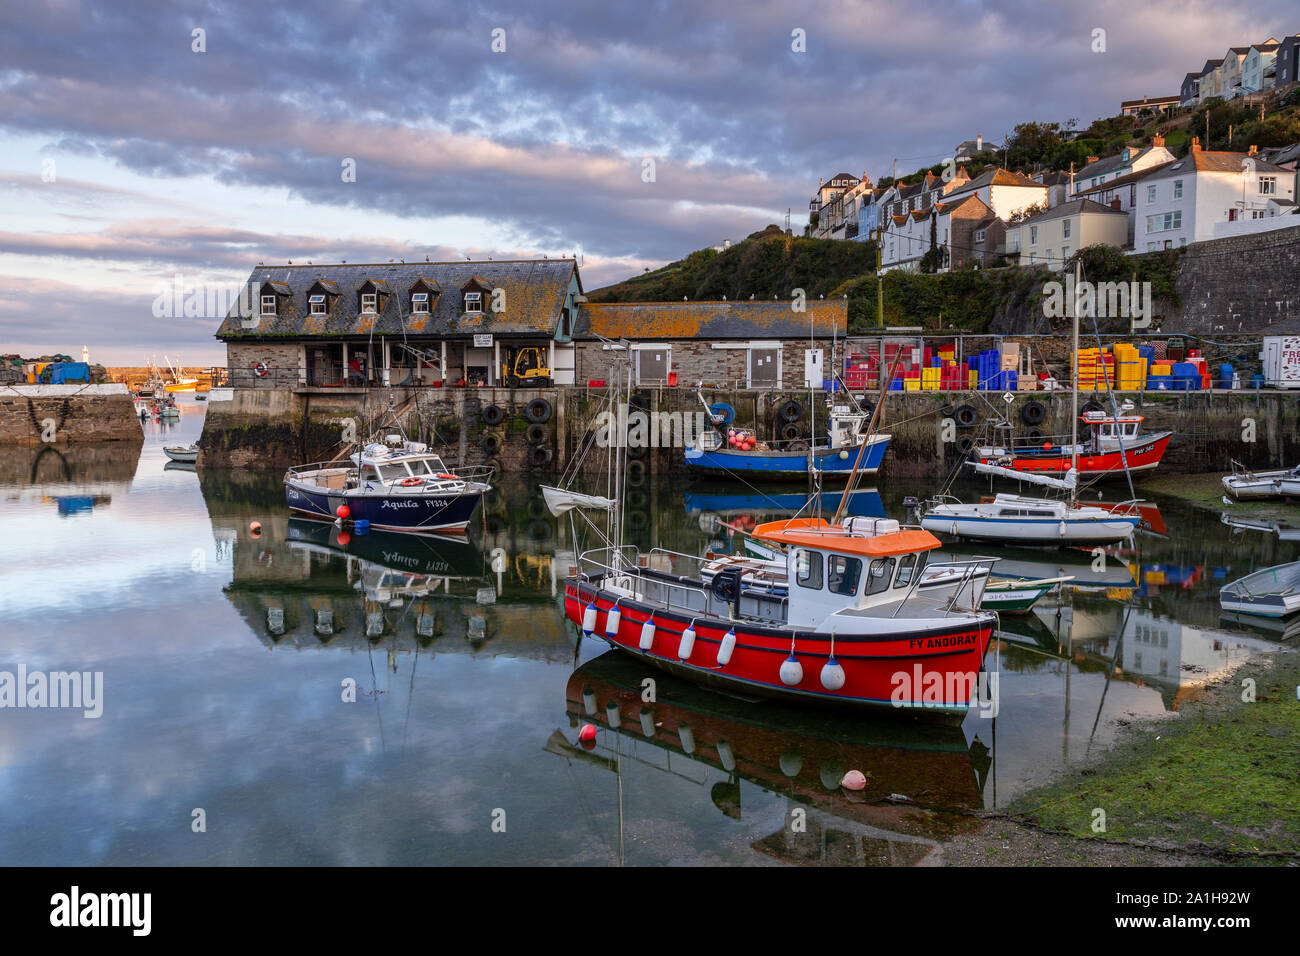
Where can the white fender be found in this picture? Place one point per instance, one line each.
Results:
(647, 634)
(612, 620)
(688, 643)
(589, 619)
(687, 737)
(726, 648)
(589, 702)
(611, 714)
(725, 755)
(647, 722)
(832, 675)
(791, 671)
(791, 762)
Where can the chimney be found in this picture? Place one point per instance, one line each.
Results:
(979, 144)
(1157, 140)
(1196, 144)
(1090, 160)
(1254, 151)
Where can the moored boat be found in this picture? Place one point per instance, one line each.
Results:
(1272, 592)
(1114, 444)
(188, 454)
(1246, 485)
(394, 484)
(853, 628)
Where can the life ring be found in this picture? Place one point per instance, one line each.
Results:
(260, 369)
(967, 416)
(411, 482)
(490, 445)
(790, 411)
(494, 415)
(1033, 413)
(538, 411)
(536, 434)
(446, 477)
(790, 431)
(540, 456)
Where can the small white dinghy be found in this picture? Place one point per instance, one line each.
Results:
(177, 453)
(1246, 485)
(1273, 592)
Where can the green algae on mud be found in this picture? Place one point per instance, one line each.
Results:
(1222, 779)
(1206, 492)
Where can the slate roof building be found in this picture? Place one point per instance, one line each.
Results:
(416, 323)
(746, 344)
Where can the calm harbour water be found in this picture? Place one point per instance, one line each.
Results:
(224, 656)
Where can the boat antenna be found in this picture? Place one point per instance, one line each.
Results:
(1074, 384)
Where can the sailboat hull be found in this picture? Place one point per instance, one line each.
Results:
(930, 669)
(1031, 530)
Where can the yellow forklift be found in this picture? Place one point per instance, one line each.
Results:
(526, 366)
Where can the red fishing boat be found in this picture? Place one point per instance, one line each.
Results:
(852, 628)
(1115, 440)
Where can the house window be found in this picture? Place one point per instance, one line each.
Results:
(1165, 221)
(1268, 185)
(653, 365)
(1015, 241)
(979, 235)
(268, 305)
(420, 303)
(473, 301)
(1151, 194)
(1178, 189)
(1065, 253)
(1033, 235)
(369, 303)
(1151, 247)
(1065, 229)
(317, 304)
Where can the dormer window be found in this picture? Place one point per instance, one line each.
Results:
(317, 303)
(369, 303)
(473, 302)
(420, 303)
(268, 305)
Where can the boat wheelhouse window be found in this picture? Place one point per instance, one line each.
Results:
(389, 472)
(906, 567)
(368, 473)
(880, 576)
(808, 569)
(843, 574)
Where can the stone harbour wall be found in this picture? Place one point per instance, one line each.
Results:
(58, 414)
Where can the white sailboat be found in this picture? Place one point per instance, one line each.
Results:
(1022, 519)
(1246, 485)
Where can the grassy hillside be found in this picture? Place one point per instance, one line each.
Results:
(766, 264)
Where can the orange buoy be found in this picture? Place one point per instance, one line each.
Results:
(255, 529)
(343, 511)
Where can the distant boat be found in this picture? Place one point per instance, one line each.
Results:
(1273, 592)
(1246, 485)
(178, 453)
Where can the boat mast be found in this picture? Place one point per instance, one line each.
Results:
(1074, 390)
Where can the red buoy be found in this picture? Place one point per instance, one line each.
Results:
(343, 511)
(588, 732)
(344, 538)
(1047, 446)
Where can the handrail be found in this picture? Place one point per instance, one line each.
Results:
(635, 570)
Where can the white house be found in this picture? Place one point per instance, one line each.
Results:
(1003, 191)
(1131, 159)
(1051, 237)
(1230, 72)
(1179, 203)
(1257, 69)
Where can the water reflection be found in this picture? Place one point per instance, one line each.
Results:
(223, 652)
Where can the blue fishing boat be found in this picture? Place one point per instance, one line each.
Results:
(395, 485)
(849, 431)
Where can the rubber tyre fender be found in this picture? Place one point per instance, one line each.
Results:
(636, 472)
(1092, 407)
(789, 431)
(536, 434)
(637, 520)
(539, 530)
(540, 456)
(967, 415)
(493, 415)
(1034, 433)
(637, 500)
(490, 444)
(538, 411)
(1033, 413)
(636, 452)
(790, 411)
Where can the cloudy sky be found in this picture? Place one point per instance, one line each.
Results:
(128, 158)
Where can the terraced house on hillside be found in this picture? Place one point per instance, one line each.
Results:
(425, 323)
